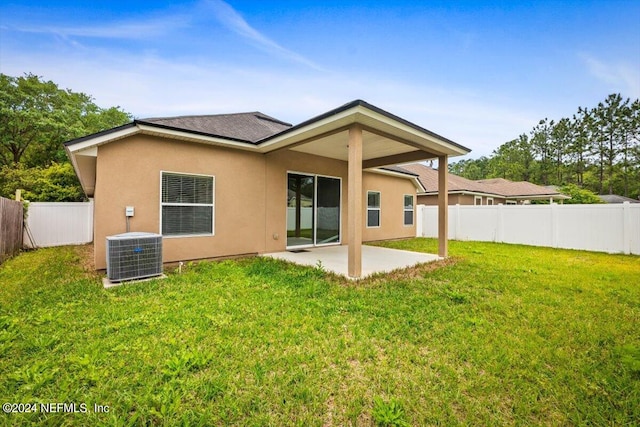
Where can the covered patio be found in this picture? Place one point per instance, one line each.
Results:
(367, 137)
(374, 259)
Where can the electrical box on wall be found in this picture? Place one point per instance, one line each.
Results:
(128, 211)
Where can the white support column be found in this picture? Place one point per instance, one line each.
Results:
(355, 205)
(443, 207)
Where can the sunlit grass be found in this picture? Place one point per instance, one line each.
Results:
(502, 334)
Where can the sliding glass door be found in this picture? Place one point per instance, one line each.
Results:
(327, 210)
(313, 210)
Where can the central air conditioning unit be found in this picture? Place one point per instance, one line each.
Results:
(134, 256)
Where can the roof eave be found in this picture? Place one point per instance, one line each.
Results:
(367, 115)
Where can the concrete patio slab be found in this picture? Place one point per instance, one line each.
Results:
(374, 259)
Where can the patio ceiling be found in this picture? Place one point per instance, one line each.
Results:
(387, 139)
(374, 147)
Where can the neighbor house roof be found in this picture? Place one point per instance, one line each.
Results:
(497, 187)
(429, 179)
(614, 198)
(516, 188)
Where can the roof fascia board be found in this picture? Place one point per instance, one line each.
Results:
(355, 112)
(150, 129)
(101, 138)
(413, 178)
(413, 130)
(296, 135)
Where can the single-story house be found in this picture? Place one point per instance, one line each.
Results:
(463, 191)
(615, 198)
(234, 184)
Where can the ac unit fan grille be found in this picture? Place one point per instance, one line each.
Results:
(134, 257)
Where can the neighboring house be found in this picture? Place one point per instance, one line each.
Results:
(464, 191)
(614, 198)
(235, 184)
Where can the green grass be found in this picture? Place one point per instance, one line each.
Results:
(501, 334)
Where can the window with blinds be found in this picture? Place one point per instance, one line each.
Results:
(187, 204)
(408, 209)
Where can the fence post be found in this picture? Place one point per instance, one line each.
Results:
(419, 220)
(90, 221)
(457, 222)
(499, 224)
(626, 227)
(554, 225)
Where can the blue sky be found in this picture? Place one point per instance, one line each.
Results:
(477, 72)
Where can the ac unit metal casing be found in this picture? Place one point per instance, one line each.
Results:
(134, 256)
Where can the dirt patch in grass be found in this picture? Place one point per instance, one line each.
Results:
(410, 273)
(86, 254)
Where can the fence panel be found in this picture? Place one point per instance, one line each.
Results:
(11, 216)
(57, 224)
(606, 228)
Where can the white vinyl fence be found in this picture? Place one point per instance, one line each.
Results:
(613, 228)
(57, 224)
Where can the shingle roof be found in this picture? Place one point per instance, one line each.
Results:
(614, 198)
(429, 179)
(496, 186)
(516, 188)
(249, 127)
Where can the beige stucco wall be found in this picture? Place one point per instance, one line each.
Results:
(249, 200)
(277, 165)
(392, 191)
(128, 174)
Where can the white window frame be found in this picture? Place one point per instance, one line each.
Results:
(475, 200)
(212, 205)
(405, 210)
(490, 201)
(379, 209)
(511, 202)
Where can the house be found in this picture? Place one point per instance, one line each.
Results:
(614, 198)
(464, 191)
(235, 184)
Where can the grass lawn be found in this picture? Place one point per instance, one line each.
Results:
(499, 334)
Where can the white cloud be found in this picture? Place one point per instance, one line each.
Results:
(231, 19)
(620, 76)
(154, 86)
(138, 29)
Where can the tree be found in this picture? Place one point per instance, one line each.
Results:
(609, 126)
(541, 146)
(470, 168)
(513, 160)
(597, 149)
(578, 148)
(36, 117)
(629, 132)
(579, 195)
(56, 183)
(562, 136)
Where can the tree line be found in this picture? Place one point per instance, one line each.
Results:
(597, 149)
(36, 118)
